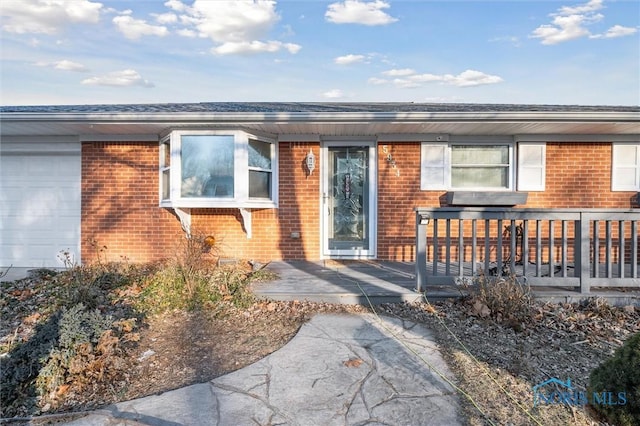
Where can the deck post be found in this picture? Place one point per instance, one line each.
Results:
(583, 261)
(422, 220)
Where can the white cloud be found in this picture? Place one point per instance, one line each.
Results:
(236, 27)
(333, 94)
(184, 32)
(165, 18)
(405, 83)
(133, 28)
(570, 23)
(591, 6)
(176, 5)
(616, 31)
(470, 78)
(359, 12)
(349, 59)
(377, 81)
(399, 72)
(250, 47)
(123, 78)
(47, 16)
(64, 65)
(407, 78)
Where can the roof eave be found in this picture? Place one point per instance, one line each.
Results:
(319, 117)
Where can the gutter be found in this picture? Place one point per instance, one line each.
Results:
(320, 117)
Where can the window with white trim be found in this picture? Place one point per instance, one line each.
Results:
(483, 166)
(466, 166)
(625, 167)
(217, 169)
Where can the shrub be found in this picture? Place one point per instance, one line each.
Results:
(80, 331)
(620, 373)
(191, 280)
(503, 298)
(20, 368)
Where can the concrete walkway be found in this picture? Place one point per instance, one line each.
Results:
(338, 370)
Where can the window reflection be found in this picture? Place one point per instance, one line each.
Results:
(207, 166)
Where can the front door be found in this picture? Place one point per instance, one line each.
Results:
(349, 195)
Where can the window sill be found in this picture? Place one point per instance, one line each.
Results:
(486, 198)
(246, 204)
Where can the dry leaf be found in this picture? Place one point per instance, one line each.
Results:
(62, 390)
(353, 362)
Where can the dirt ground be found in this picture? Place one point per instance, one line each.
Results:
(495, 365)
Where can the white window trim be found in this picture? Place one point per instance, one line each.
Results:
(447, 166)
(615, 186)
(241, 173)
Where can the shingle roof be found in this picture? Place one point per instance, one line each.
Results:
(307, 107)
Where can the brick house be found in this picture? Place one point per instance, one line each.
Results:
(134, 177)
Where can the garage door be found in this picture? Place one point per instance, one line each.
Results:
(39, 207)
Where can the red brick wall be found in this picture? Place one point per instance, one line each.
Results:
(579, 175)
(120, 201)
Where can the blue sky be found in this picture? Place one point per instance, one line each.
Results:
(137, 51)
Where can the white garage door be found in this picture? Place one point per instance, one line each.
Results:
(39, 208)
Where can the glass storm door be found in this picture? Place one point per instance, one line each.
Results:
(347, 198)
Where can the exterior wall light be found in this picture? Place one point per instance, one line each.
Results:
(311, 162)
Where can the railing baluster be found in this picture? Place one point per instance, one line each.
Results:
(538, 247)
(564, 249)
(487, 247)
(499, 249)
(621, 248)
(596, 248)
(582, 262)
(525, 247)
(474, 240)
(460, 247)
(447, 249)
(435, 247)
(513, 248)
(552, 264)
(608, 270)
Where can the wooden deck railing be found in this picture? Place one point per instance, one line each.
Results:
(544, 247)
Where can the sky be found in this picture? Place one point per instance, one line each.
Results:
(157, 51)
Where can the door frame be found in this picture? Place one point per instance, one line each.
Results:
(372, 252)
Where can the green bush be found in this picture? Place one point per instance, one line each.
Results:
(620, 373)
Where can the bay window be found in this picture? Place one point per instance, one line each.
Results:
(217, 169)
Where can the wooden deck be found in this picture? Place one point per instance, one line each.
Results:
(358, 282)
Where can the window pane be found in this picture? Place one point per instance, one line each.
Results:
(207, 166)
(259, 154)
(166, 155)
(259, 184)
(479, 177)
(479, 154)
(165, 185)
